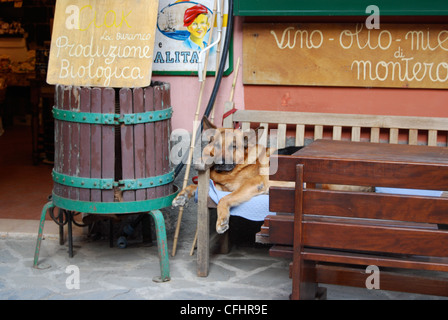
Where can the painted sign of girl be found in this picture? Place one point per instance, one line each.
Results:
(197, 22)
(186, 21)
(183, 31)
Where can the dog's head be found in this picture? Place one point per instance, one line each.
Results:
(226, 146)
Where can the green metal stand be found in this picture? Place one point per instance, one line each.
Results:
(162, 246)
(151, 207)
(48, 206)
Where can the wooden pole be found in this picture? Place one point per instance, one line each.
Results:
(232, 91)
(235, 78)
(193, 137)
(218, 59)
(194, 242)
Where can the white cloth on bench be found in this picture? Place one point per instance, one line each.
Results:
(256, 209)
(410, 192)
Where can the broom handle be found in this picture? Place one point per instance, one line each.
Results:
(232, 91)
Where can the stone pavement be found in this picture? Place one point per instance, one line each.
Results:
(113, 273)
(246, 273)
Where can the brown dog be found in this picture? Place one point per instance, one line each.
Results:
(243, 171)
(241, 166)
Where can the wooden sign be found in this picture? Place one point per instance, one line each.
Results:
(103, 43)
(396, 55)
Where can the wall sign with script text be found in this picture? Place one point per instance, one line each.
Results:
(103, 43)
(395, 56)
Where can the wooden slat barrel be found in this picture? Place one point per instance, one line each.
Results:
(112, 156)
(112, 146)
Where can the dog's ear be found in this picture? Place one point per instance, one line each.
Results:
(207, 124)
(252, 137)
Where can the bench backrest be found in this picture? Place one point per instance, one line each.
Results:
(417, 130)
(366, 221)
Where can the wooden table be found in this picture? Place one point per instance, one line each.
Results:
(391, 231)
(378, 161)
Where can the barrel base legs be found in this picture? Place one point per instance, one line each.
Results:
(47, 207)
(159, 223)
(162, 246)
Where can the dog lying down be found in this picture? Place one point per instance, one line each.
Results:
(245, 176)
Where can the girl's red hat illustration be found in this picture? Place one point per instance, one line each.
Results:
(191, 13)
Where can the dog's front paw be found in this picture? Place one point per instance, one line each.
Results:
(180, 201)
(222, 226)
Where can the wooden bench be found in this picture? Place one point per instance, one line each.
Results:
(301, 128)
(337, 234)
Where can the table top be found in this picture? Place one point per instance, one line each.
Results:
(348, 150)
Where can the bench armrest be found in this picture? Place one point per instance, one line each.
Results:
(202, 166)
(203, 223)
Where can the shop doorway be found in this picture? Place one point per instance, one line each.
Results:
(24, 184)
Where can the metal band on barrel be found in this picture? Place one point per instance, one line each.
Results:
(114, 207)
(112, 118)
(108, 184)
